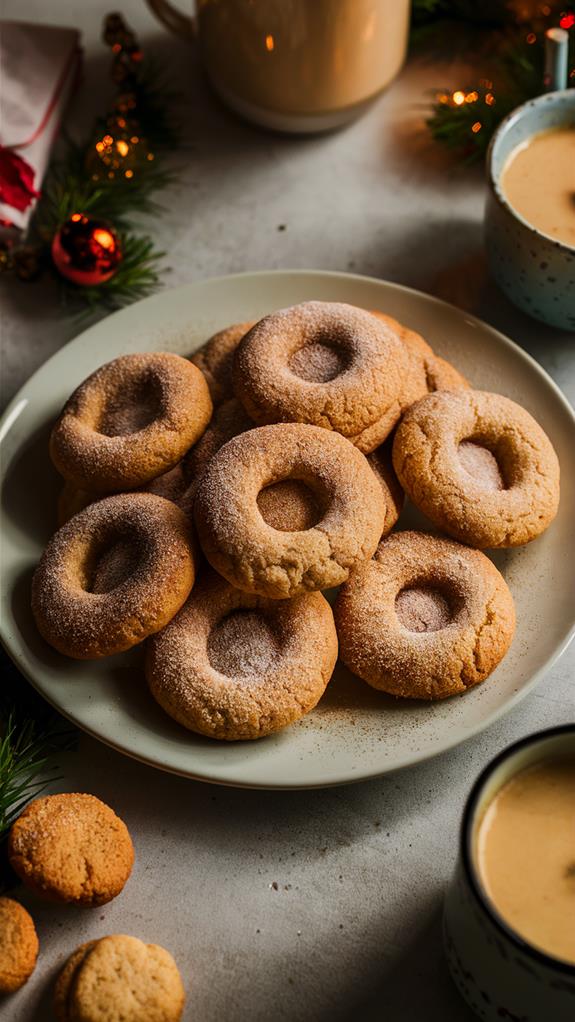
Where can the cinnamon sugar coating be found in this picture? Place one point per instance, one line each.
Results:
(427, 618)
(115, 573)
(215, 359)
(234, 665)
(130, 421)
(327, 364)
(258, 558)
(71, 847)
(430, 455)
(18, 945)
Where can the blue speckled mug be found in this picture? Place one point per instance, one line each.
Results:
(536, 272)
(500, 975)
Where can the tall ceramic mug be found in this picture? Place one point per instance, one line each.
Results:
(296, 65)
(501, 975)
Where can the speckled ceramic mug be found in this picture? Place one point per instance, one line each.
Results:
(536, 272)
(500, 975)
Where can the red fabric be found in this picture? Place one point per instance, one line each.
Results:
(16, 180)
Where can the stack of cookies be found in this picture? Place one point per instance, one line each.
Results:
(209, 502)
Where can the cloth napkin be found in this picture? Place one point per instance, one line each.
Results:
(38, 69)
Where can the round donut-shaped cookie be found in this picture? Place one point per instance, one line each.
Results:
(131, 420)
(426, 618)
(115, 573)
(71, 848)
(215, 359)
(18, 945)
(234, 665)
(121, 979)
(479, 466)
(258, 558)
(326, 364)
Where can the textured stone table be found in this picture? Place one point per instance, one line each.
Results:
(322, 904)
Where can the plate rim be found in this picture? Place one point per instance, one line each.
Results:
(8, 419)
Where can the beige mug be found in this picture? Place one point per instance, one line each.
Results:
(296, 65)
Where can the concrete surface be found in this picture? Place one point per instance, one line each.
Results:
(325, 904)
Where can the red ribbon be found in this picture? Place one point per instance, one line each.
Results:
(16, 180)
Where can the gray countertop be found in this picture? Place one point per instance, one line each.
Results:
(319, 904)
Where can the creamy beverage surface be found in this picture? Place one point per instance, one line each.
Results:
(538, 181)
(303, 56)
(525, 855)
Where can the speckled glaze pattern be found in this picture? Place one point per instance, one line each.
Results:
(496, 971)
(536, 273)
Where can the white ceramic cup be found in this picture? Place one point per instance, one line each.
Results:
(502, 977)
(296, 65)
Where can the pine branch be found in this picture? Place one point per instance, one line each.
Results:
(31, 735)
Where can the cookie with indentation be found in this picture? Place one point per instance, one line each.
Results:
(71, 847)
(479, 466)
(122, 979)
(326, 364)
(258, 558)
(215, 359)
(18, 945)
(426, 618)
(236, 666)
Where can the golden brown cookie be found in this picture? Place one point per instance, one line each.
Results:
(257, 558)
(18, 945)
(381, 463)
(115, 573)
(130, 421)
(232, 665)
(71, 847)
(288, 505)
(326, 364)
(438, 373)
(121, 979)
(66, 979)
(479, 466)
(215, 359)
(427, 618)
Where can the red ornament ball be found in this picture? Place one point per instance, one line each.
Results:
(86, 251)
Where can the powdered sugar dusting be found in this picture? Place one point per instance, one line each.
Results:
(480, 463)
(422, 610)
(317, 363)
(243, 644)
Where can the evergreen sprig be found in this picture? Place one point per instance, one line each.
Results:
(31, 737)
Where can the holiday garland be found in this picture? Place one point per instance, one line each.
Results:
(82, 228)
(464, 119)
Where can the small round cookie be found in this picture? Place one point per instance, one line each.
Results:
(257, 558)
(326, 364)
(72, 848)
(479, 466)
(18, 945)
(121, 979)
(427, 618)
(233, 665)
(380, 462)
(439, 374)
(215, 359)
(66, 979)
(115, 573)
(131, 420)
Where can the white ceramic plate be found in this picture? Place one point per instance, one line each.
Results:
(355, 732)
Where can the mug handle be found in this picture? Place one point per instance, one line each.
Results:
(181, 24)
